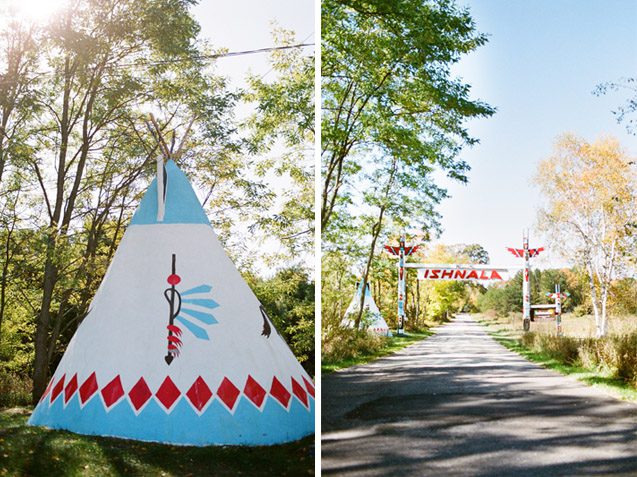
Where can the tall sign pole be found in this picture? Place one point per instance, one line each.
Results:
(526, 253)
(526, 283)
(558, 310)
(401, 251)
(401, 286)
(558, 296)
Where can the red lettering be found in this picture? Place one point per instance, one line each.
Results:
(495, 275)
(483, 275)
(434, 274)
(460, 274)
(472, 274)
(447, 274)
(425, 274)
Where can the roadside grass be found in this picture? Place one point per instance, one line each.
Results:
(510, 336)
(36, 451)
(390, 345)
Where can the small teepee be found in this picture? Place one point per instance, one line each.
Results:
(175, 347)
(376, 323)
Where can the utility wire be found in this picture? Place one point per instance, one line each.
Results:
(215, 56)
(212, 56)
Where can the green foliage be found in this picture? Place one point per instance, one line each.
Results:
(446, 298)
(284, 122)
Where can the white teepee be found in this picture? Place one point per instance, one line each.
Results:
(377, 323)
(176, 348)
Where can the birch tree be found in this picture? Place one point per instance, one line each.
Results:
(590, 212)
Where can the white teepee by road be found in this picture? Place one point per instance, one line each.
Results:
(176, 348)
(376, 323)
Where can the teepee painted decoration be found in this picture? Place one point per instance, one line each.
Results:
(176, 348)
(378, 324)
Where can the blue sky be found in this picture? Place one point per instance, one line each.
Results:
(539, 68)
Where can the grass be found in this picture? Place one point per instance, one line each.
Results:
(509, 336)
(392, 344)
(36, 451)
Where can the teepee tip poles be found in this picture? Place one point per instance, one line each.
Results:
(166, 155)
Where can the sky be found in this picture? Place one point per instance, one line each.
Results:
(241, 25)
(539, 69)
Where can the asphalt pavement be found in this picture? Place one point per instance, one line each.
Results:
(459, 403)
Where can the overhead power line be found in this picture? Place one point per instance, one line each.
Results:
(212, 56)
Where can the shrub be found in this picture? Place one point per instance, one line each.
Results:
(15, 390)
(561, 348)
(347, 343)
(626, 365)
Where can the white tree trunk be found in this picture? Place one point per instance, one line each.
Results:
(591, 282)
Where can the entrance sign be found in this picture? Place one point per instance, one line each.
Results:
(459, 272)
(469, 272)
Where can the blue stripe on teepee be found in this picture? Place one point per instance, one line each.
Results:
(196, 330)
(182, 426)
(182, 205)
(206, 318)
(199, 289)
(201, 302)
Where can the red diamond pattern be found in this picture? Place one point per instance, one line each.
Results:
(299, 392)
(279, 392)
(199, 393)
(254, 391)
(88, 388)
(168, 393)
(46, 391)
(71, 387)
(228, 393)
(113, 391)
(139, 394)
(309, 387)
(57, 389)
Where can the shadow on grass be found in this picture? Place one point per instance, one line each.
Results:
(394, 343)
(36, 451)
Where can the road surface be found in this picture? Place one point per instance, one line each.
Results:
(459, 403)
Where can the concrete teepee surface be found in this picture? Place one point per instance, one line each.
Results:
(176, 348)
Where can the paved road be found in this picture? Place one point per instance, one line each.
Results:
(459, 403)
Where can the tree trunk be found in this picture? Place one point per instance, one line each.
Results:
(376, 229)
(417, 302)
(594, 302)
(41, 362)
(375, 233)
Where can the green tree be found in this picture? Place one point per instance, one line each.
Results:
(387, 86)
(284, 123)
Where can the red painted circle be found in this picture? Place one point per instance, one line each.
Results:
(174, 279)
